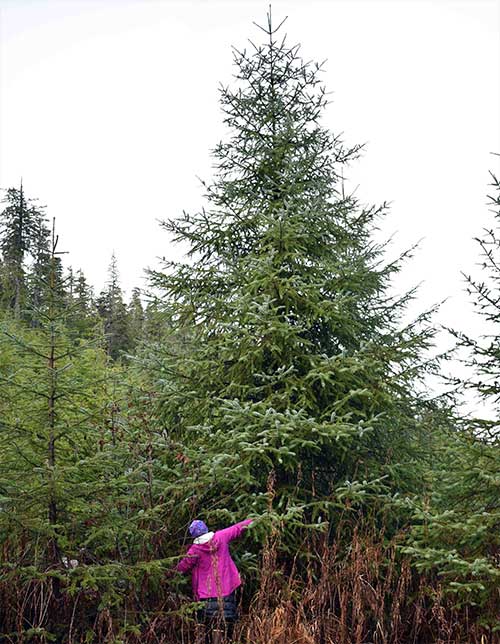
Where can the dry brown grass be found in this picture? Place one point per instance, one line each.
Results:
(364, 594)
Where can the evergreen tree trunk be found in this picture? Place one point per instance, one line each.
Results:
(52, 396)
(18, 266)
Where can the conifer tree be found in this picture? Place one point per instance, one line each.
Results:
(84, 318)
(23, 235)
(456, 531)
(113, 312)
(51, 406)
(295, 366)
(136, 317)
(40, 267)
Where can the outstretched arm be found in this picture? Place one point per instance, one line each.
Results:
(234, 531)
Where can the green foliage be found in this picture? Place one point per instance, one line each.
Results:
(137, 318)
(456, 531)
(51, 405)
(24, 244)
(270, 375)
(84, 319)
(113, 312)
(294, 362)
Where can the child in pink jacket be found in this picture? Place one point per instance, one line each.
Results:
(213, 573)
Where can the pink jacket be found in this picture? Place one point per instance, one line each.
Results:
(214, 573)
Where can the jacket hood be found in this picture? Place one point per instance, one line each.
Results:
(203, 539)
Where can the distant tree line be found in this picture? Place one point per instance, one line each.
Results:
(24, 268)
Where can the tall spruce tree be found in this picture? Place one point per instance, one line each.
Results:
(296, 368)
(24, 236)
(113, 312)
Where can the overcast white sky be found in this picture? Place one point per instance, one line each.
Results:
(109, 109)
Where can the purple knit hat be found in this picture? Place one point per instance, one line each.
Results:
(197, 528)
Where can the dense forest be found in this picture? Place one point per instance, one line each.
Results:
(271, 375)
